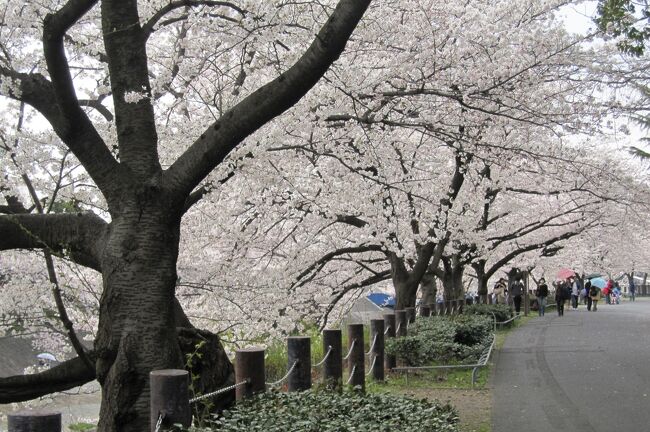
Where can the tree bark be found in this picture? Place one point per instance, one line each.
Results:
(429, 289)
(137, 331)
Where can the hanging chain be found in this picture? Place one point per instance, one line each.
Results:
(293, 366)
(217, 392)
(159, 422)
(329, 351)
(354, 341)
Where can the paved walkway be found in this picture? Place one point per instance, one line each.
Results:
(583, 372)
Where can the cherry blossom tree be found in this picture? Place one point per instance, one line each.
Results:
(117, 84)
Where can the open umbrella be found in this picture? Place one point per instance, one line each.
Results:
(593, 275)
(565, 273)
(46, 356)
(599, 282)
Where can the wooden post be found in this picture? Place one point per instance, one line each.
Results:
(448, 307)
(460, 305)
(333, 366)
(299, 350)
(432, 308)
(389, 324)
(401, 323)
(425, 311)
(249, 366)
(34, 421)
(489, 299)
(410, 314)
(440, 309)
(169, 397)
(356, 361)
(377, 352)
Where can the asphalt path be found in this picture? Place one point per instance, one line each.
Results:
(583, 372)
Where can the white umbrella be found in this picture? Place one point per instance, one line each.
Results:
(46, 356)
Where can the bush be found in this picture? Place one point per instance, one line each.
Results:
(442, 339)
(502, 312)
(323, 411)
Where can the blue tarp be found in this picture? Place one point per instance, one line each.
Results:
(382, 300)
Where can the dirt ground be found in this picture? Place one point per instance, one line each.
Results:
(474, 406)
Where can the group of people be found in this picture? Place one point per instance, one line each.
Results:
(501, 295)
(571, 291)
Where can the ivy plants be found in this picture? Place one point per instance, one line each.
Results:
(323, 411)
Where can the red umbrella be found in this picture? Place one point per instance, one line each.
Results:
(565, 273)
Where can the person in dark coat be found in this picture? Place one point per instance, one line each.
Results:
(588, 295)
(516, 291)
(562, 293)
(541, 293)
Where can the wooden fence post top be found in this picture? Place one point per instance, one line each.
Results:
(168, 372)
(34, 420)
(34, 413)
(250, 350)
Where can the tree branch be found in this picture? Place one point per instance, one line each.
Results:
(67, 375)
(64, 112)
(78, 234)
(267, 102)
(379, 277)
(148, 27)
(126, 53)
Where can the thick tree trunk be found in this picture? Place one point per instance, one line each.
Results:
(137, 326)
(452, 278)
(405, 293)
(481, 280)
(429, 289)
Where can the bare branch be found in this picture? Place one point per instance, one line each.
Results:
(148, 27)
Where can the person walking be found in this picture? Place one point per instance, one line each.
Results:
(498, 292)
(608, 291)
(561, 294)
(594, 293)
(588, 295)
(575, 293)
(516, 291)
(632, 289)
(541, 293)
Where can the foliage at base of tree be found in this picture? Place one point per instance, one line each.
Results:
(443, 340)
(500, 311)
(324, 411)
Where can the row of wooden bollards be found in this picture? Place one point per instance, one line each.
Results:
(170, 390)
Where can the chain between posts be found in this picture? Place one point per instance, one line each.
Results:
(281, 380)
(329, 350)
(217, 392)
(354, 368)
(347, 356)
(374, 341)
(399, 326)
(372, 366)
(159, 422)
(386, 331)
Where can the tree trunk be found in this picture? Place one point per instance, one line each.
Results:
(405, 293)
(481, 280)
(429, 289)
(137, 328)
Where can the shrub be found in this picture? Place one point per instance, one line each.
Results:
(442, 339)
(323, 411)
(502, 312)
